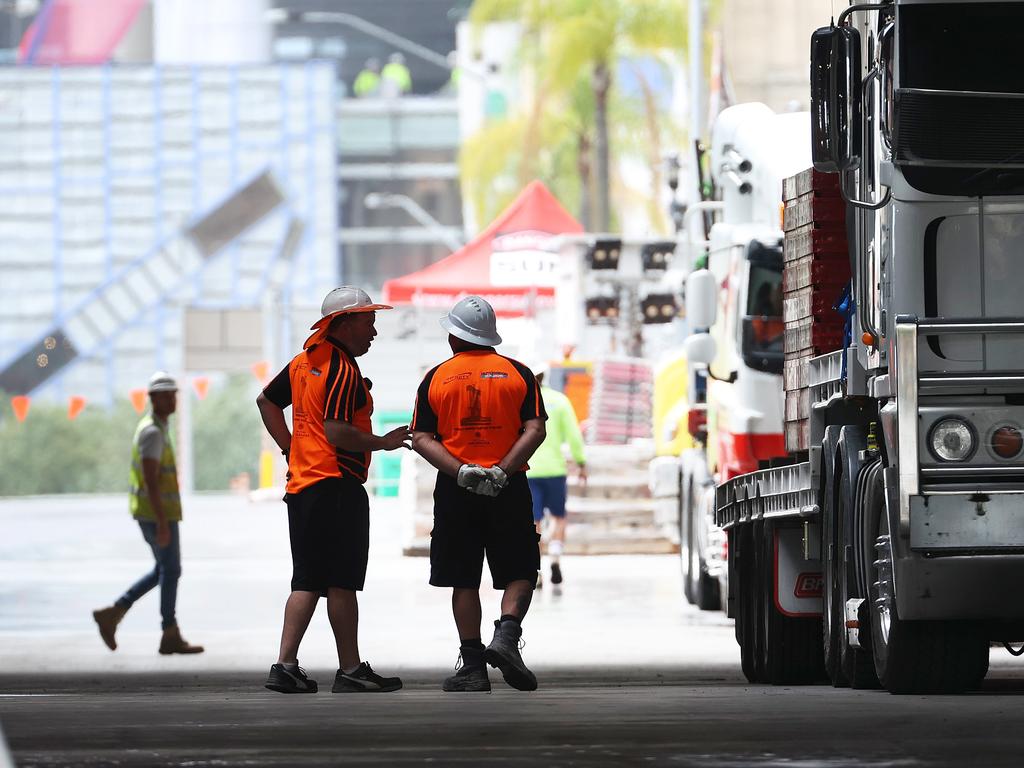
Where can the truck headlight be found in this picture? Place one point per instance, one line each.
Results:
(952, 439)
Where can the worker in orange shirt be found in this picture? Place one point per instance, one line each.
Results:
(328, 451)
(478, 418)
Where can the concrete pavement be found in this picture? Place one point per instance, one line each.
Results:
(71, 555)
(629, 675)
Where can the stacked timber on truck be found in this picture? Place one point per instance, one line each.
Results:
(816, 269)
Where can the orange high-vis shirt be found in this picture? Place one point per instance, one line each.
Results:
(320, 383)
(476, 403)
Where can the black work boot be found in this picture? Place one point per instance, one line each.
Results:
(470, 672)
(364, 679)
(284, 680)
(503, 653)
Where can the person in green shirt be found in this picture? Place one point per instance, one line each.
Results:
(367, 82)
(395, 78)
(155, 503)
(548, 471)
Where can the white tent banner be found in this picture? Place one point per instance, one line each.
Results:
(524, 258)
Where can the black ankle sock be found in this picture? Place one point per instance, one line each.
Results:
(509, 617)
(472, 644)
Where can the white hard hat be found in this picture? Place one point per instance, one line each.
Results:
(344, 300)
(540, 367)
(472, 319)
(162, 381)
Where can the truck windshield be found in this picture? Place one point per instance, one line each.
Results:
(959, 107)
(763, 329)
(961, 47)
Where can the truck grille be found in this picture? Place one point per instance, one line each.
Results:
(952, 128)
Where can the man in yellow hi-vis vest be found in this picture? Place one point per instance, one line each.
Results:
(155, 503)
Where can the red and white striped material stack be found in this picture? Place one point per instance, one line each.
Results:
(620, 401)
(817, 268)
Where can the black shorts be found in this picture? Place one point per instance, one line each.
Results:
(329, 528)
(467, 525)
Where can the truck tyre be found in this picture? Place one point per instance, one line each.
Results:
(919, 656)
(685, 537)
(857, 664)
(832, 618)
(708, 595)
(792, 647)
(747, 631)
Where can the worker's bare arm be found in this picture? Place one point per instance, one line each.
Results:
(275, 422)
(532, 436)
(431, 449)
(349, 437)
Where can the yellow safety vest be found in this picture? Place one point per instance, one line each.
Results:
(138, 502)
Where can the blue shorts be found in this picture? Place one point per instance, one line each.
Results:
(548, 493)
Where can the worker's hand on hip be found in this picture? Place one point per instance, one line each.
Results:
(163, 533)
(399, 437)
(470, 476)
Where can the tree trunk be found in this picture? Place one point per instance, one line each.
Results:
(602, 84)
(583, 168)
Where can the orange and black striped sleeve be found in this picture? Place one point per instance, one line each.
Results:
(533, 403)
(424, 418)
(340, 388)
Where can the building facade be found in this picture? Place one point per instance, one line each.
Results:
(107, 173)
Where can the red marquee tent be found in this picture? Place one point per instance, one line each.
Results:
(515, 248)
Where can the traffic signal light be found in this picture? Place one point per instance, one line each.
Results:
(659, 308)
(657, 255)
(604, 254)
(602, 309)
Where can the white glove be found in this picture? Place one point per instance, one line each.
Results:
(495, 482)
(486, 488)
(471, 476)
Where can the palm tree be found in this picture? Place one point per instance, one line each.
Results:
(573, 47)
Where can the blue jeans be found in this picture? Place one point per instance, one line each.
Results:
(166, 573)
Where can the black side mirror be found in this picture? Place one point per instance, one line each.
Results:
(822, 151)
(845, 79)
(835, 98)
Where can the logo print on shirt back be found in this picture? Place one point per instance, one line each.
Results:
(475, 417)
(315, 371)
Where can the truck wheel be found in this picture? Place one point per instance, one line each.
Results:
(747, 631)
(686, 539)
(792, 648)
(832, 618)
(857, 664)
(709, 597)
(919, 656)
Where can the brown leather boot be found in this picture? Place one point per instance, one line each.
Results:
(107, 620)
(173, 642)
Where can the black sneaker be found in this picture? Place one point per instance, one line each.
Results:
(503, 653)
(283, 681)
(364, 679)
(556, 573)
(470, 674)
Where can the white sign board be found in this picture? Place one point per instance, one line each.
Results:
(524, 258)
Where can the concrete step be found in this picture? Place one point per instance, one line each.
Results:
(608, 512)
(617, 545)
(606, 485)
